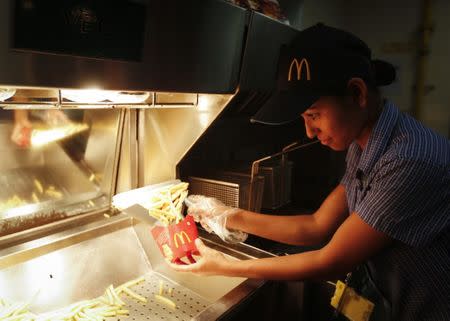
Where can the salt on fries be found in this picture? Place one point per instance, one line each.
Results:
(166, 204)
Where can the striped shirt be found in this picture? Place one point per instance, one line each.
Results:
(399, 184)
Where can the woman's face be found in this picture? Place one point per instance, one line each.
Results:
(335, 121)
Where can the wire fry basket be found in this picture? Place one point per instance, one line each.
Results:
(232, 188)
(246, 191)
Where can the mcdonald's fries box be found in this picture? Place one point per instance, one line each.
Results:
(177, 241)
(160, 206)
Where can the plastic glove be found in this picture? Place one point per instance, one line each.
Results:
(212, 215)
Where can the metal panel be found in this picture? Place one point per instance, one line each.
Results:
(189, 46)
(260, 63)
(166, 135)
(81, 262)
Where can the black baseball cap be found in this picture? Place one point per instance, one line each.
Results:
(319, 62)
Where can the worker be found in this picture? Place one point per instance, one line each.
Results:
(387, 221)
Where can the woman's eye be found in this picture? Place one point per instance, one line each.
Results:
(314, 116)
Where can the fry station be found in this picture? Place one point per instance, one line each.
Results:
(100, 105)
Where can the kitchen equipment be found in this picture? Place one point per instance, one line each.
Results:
(278, 183)
(80, 262)
(80, 247)
(232, 188)
(140, 213)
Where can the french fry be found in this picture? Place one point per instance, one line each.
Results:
(115, 296)
(88, 310)
(129, 283)
(166, 301)
(34, 197)
(161, 287)
(135, 295)
(38, 185)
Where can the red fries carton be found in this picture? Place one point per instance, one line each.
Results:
(177, 241)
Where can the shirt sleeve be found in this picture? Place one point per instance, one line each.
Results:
(409, 201)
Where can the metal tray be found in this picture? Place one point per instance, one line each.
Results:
(81, 262)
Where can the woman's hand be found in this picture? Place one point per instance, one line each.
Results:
(207, 209)
(211, 262)
(212, 215)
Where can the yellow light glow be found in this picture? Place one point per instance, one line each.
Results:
(203, 103)
(43, 137)
(204, 119)
(6, 93)
(123, 97)
(87, 95)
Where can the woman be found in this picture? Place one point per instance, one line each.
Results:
(390, 213)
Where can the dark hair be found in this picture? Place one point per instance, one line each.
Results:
(383, 72)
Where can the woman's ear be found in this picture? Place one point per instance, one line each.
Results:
(358, 90)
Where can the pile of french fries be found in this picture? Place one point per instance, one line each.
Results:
(166, 204)
(108, 305)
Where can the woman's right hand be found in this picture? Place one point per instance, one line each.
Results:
(212, 214)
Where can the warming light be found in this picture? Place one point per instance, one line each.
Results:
(6, 93)
(98, 95)
(86, 95)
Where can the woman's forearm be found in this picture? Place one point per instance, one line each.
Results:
(296, 230)
(307, 265)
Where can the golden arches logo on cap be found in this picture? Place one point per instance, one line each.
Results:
(298, 67)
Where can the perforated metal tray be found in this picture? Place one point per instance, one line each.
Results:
(188, 303)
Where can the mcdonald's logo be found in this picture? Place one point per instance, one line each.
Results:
(299, 67)
(181, 236)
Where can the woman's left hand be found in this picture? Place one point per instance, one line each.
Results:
(211, 262)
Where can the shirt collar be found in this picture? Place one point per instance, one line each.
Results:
(379, 138)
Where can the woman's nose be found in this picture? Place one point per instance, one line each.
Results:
(310, 132)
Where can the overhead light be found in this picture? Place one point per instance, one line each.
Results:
(86, 95)
(129, 97)
(6, 93)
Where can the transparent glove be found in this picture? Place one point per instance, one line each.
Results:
(212, 215)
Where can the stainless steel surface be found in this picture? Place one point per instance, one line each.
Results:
(140, 213)
(59, 179)
(79, 263)
(189, 304)
(20, 182)
(175, 65)
(167, 135)
(232, 188)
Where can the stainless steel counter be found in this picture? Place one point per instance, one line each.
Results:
(81, 262)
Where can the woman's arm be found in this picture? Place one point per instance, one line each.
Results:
(353, 243)
(297, 229)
